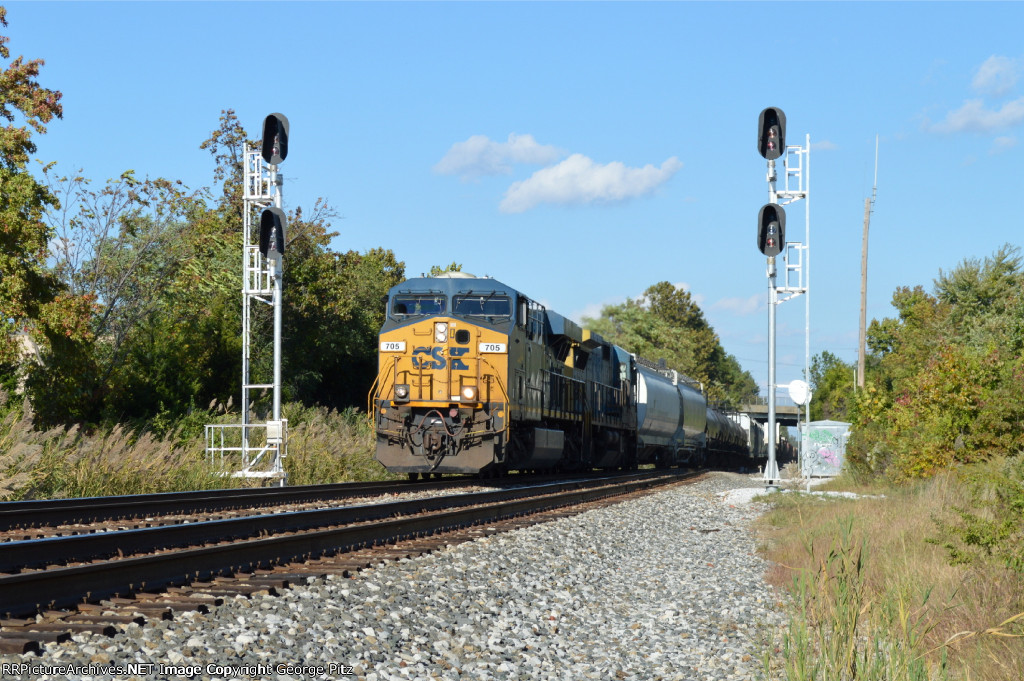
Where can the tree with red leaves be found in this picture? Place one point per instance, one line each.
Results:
(25, 286)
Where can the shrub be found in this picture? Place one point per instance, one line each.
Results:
(989, 526)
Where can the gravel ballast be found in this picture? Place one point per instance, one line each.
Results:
(667, 586)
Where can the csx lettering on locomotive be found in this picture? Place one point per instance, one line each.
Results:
(437, 359)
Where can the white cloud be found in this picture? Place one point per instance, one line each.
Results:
(579, 180)
(479, 156)
(593, 310)
(742, 306)
(824, 145)
(1001, 144)
(975, 117)
(698, 298)
(996, 76)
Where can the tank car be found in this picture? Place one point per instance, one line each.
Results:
(671, 417)
(727, 446)
(475, 377)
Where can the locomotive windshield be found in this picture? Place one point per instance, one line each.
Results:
(412, 304)
(487, 305)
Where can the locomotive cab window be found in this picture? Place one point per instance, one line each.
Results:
(488, 305)
(421, 304)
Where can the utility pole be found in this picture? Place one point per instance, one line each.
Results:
(862, 345)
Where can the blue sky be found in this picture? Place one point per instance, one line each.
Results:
(580, 152)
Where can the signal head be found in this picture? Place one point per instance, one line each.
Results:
(272, 224)
(771, 229)
(275, 138)
(771, 133)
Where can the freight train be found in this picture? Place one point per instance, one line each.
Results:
(476, 377)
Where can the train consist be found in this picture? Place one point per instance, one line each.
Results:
(475, 377)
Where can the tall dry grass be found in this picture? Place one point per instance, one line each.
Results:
(872, 599)
(324, 446)
(68, 462)
(328, 446)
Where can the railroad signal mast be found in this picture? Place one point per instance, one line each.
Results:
(771, 241)
(252, 449)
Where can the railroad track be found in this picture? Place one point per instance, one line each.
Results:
(74, 513)
(153, 571)
(20, 520)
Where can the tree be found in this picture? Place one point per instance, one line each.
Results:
(947, 384)
(120, 249)
(25, 286)
(665, 323)
(984, 298)
(333, 312)
(437, 270)
(832, 387)
(634, 327)
(147, 320)
(227, 144)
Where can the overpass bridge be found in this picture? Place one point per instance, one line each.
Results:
(786, 413)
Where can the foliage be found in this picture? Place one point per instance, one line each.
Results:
(947, 382)
(666, 323)
(68, 462)
(330, 446)
(118, 252)
(437, 270)
(227, 145)
(146, 319)
(832, 386)
(333, 312)
(25, 287)
(990, 526)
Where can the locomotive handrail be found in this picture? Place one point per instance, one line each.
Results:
(371, 414)
(497, 378)
(504, 394)
(566, 396)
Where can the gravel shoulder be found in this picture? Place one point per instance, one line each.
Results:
(667, 586)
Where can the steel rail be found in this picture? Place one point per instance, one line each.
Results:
(50, 512)
(28, 592)
(37, 553)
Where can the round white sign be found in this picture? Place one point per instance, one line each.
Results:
(800, 392)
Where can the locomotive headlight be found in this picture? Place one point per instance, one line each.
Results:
(402, 391)
(469, 393)
(440, 332)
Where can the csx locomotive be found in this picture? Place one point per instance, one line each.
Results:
(475, 377)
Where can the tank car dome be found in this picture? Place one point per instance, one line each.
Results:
(457, 275)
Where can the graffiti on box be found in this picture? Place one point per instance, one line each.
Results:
(826, 448)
